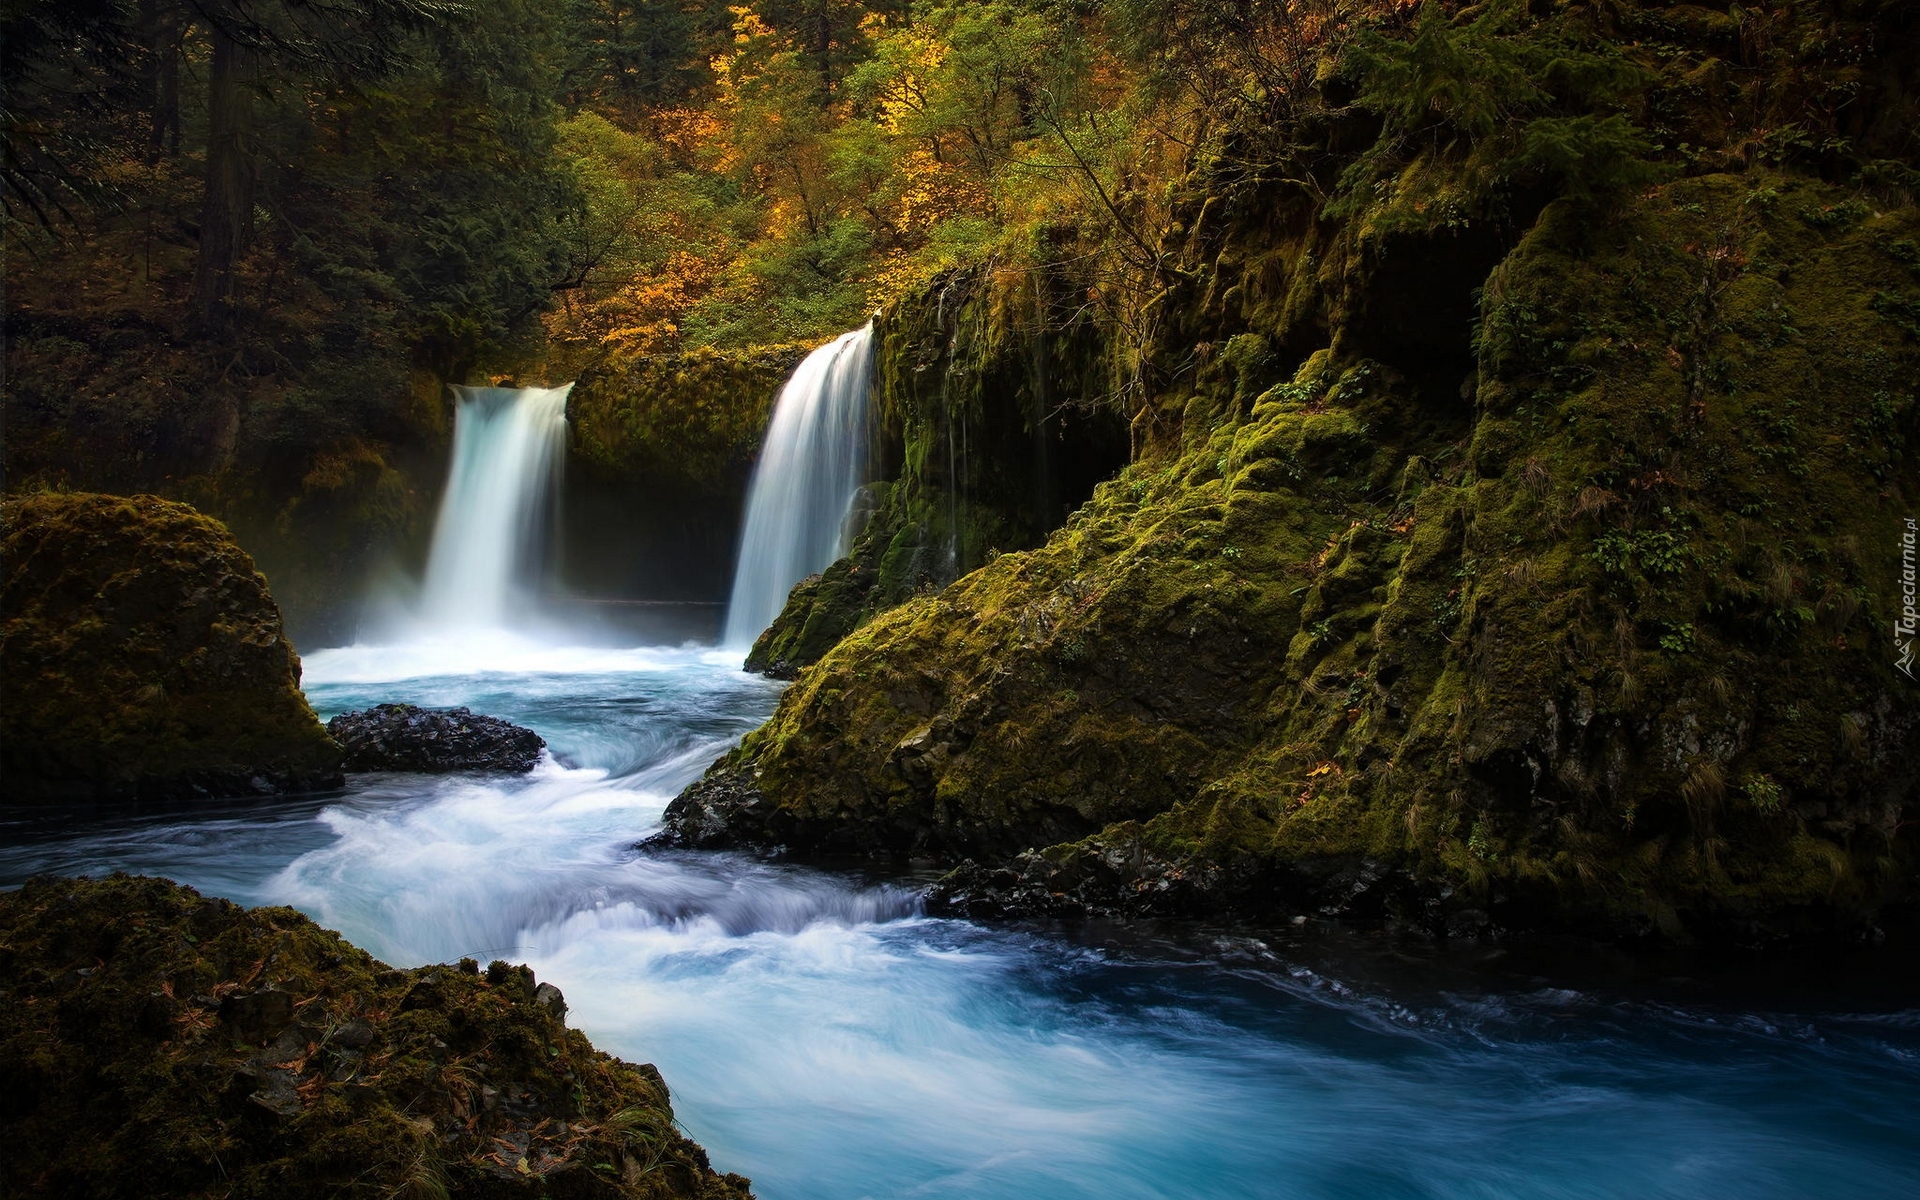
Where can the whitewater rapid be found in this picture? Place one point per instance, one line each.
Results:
(823, 1036)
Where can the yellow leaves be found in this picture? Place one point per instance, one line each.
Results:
(786, 217)
(917, 58)
(931, 191)
(747, 24)
(695, 135)
(638, 341)
(1327, 771)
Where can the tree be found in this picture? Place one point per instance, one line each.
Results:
(630, 56)
(71, 71)
(327, 38)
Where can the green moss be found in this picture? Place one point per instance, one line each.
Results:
(161, 1044)
(144, 657)
(689, 421)
(978, 436)
(1332, 642)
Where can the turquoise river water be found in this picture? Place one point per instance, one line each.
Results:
(825, 1038)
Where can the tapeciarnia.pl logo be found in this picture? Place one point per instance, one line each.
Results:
(1909, 618)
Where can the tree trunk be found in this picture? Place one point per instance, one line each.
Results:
(160, 29)
(823, 47)
(165, 135)
(226, 213)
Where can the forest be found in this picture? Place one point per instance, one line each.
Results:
(247, 239)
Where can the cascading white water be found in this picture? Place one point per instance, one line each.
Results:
(508, 446)
(811, 465)
(823, 1037)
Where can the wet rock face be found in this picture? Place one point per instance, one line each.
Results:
(205, 1048)
(403, 737)
(720, 812)
(1541, 649)
(144, 659)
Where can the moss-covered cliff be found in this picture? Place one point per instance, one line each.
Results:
(1513, 535)
(143, 658)
(159, 1044)
(988, 431)
(661, 449)
(689, 420)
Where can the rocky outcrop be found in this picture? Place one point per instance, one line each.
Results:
(157, 1043)
(1593, 637)
(404, 737)
(982, 439)
(144, 659)
(720, 812)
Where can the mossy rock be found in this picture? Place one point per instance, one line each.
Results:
(688, 421)
(1603, 645)
(825, 607)
(158, 1044)
(978, 439)
(144, 659)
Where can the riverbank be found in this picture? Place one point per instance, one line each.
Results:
(826, 1038)
(255, 1054)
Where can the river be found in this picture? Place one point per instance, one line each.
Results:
(824, 1037)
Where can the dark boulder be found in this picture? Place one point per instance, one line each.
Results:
(143, 659)
(723, 811)
(403, 737)
(209, 1049)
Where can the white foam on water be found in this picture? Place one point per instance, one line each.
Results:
(824, 1038)
(500, 651)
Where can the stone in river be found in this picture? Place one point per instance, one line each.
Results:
(404, 737)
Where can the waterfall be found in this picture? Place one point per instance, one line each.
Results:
(508, 446)
(811, 465)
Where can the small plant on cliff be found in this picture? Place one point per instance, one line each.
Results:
(1480, 842)
(1678, 638)
(1763, 793)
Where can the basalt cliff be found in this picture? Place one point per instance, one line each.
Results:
(1510, 534)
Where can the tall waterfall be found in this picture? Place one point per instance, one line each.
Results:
(812, 464)
(508, 447)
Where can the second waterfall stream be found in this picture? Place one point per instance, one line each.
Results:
(811, 466)
(508, 448)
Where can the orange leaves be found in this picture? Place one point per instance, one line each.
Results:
(192, 1025)
(695, 135)
(1320, 775)
(644, 315)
